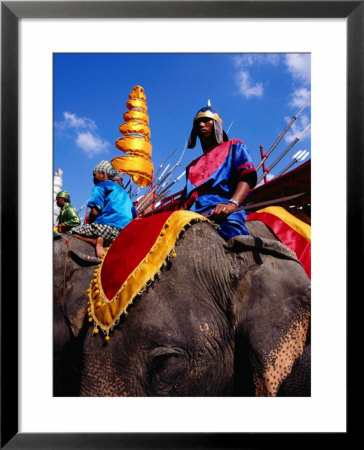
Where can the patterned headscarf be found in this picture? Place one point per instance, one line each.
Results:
(105, 166)
(211, 113)
(65, 195)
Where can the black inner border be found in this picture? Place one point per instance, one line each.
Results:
(11, 12)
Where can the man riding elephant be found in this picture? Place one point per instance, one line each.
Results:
(218, 181)
(111, 209)
(68, 217)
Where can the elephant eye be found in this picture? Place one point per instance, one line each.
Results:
(164, 371)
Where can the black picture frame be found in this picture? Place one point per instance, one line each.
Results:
(11, 12)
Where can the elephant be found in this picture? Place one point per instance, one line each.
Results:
(221, 319)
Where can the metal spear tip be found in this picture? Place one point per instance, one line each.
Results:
(304, 155)
(297, 155)
(301, 155)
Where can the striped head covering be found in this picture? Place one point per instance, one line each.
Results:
(105, 166)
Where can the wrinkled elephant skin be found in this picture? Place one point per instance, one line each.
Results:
(221, 319)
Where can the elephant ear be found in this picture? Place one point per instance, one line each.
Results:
(75, 302)
(271, 309)
(244, 243)
(74, 262)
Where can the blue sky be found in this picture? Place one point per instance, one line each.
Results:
(256, 96)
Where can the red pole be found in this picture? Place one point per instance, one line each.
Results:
(264, 157)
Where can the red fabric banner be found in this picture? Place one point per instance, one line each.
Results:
(288, 236)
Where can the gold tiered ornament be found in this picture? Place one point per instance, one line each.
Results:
(136, 141)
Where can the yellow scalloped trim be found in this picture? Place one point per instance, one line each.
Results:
(138, 145)
(106, 312)
(134, 114)
(137, 103)
(139, 168)
(302, 228)
(134, 126)
(137, 92)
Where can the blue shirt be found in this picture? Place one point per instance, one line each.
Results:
(212, 178)
(113, 203)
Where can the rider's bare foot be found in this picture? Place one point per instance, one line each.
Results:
(99, 247)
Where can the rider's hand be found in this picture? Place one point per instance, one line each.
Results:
(221, 210)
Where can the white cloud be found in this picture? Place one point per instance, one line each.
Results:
(248, 59)
(272, 58)
(299, 97)
(243, 60)
(91, 143)
(72, 121)
(298, 126)
(299, 66)
(245, 86)
(82, 131)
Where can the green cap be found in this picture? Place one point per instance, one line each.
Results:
(65, 195)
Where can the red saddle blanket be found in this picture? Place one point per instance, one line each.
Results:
(131, 263)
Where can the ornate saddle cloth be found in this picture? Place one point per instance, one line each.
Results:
(291, 231)
(131, 263)
(144, 245)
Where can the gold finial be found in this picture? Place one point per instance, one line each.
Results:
(208, 102)
(136, 141)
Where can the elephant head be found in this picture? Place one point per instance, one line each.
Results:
(220, 319)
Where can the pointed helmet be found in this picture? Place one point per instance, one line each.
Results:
(211, 113)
